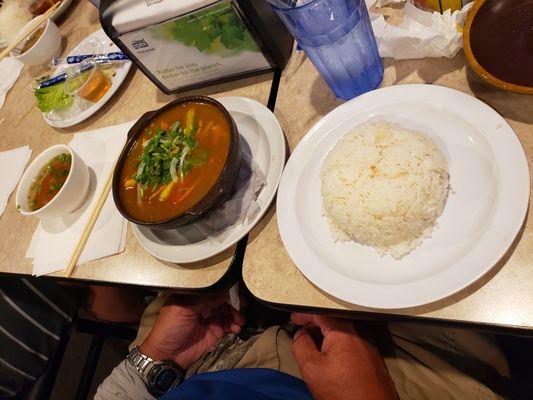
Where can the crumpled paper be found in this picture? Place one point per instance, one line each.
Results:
(421, 34)
(242, 206)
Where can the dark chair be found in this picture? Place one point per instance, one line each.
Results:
(519, 353)
(42, 388)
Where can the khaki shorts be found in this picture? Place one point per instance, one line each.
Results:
(424, 361)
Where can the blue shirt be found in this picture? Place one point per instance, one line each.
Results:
(249, 384)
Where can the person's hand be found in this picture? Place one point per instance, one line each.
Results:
(187, 327)
(344, 366)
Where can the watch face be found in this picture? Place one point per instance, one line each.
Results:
(162, 378)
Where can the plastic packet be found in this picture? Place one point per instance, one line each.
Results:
(90, 82)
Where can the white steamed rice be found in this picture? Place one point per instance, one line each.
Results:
(384, 186)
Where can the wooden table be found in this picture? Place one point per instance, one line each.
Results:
(503, 297)
(23, 124)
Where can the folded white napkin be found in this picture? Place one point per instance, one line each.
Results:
(9, 73)
(421, 34)
(56, 238)
(12, 164)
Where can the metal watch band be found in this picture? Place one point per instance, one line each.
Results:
(150, 371)
(140, 362)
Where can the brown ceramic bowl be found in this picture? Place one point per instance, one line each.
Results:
(498, 43)
(221, 191)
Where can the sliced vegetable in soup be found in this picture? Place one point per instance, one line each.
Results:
(175, 162)
(49, 181)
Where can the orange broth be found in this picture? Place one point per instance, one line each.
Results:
(49, 181)
(32, 39)
(213, 140)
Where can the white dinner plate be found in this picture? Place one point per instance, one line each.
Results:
(86, 46)
(488, 200)
(261, 131)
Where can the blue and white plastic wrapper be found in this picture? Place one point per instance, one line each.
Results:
(86, 62)
(63, 77)
(116, 56)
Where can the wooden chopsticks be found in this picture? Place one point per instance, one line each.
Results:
(37, 22)
(90, 225)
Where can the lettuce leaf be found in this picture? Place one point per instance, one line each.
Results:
(53, 98)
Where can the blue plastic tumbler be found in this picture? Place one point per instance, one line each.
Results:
(338, 38)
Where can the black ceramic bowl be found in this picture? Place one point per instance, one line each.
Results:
(221, 191)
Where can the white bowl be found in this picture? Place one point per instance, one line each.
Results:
(47, 47)
(69, 198)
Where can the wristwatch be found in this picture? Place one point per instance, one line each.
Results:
(159, 376)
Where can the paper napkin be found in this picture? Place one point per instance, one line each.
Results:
(9, 73)
(56, 238)
(421, 34)
(12, 164)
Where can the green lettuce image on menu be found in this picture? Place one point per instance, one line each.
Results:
(217, 30)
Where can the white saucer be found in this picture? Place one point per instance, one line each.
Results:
(121, 69)
(260, 129)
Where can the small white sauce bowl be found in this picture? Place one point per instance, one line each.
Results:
(69, 198)
(47, 47)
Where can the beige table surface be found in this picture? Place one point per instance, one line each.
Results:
(22, 123)
(503, 297)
